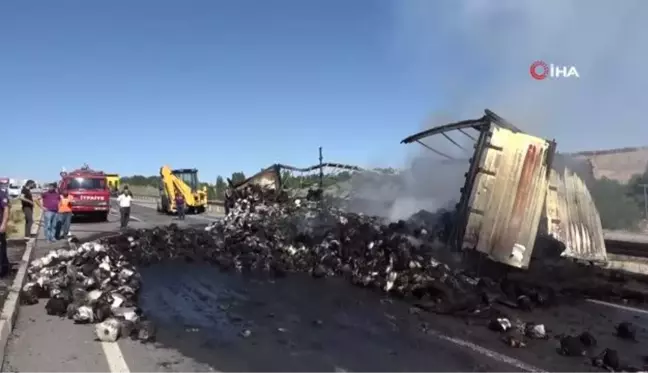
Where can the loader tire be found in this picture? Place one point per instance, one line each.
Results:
(164, 205)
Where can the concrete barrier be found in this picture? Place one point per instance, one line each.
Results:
(625, 236)
(213, 206)
(628, 264)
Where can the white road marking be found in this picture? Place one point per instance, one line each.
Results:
(116, 213)
(114, 357)
(486, 352)
(619, 306)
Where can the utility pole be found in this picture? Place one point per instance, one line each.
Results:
(322, 171)
(645, 193)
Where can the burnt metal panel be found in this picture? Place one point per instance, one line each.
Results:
(572, 217)
(462, 215)
(488, 118)
(271, 176)
(323, 165)
(507, 194)
(507, 198)
(268, 177)
(464, 124)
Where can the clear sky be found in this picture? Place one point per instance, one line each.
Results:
(225, 86)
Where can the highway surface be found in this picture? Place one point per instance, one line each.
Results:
(209, 321)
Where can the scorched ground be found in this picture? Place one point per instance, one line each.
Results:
(410, 282)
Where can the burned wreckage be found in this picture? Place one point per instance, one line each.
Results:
(269, 232)
(516, 189)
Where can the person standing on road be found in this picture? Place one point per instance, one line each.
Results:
(4, 224)
(124, 200)
(65, 214)
(27, 200)
(50, 202)
(228, 200)
(180, 205)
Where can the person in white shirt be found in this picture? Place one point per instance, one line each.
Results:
(124, 200)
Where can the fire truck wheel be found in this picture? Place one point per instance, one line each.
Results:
(104, 216)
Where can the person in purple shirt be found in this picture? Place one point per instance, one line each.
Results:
(49, 201)
(180, 205)
(4, 223)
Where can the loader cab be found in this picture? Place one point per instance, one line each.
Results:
(184, 181)
(189, 176)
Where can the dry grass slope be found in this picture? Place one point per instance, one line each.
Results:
(617, 164)
(144, 191)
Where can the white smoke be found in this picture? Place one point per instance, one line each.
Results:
(476, 54)
(430, 181)
(479, 53)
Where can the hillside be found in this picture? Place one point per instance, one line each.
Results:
(616, 164)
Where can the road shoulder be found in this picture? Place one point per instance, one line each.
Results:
(20, 253)
(42, 343)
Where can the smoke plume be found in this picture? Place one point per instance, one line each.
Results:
(476, 54)
(430, 181)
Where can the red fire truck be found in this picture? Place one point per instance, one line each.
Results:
(88, 190)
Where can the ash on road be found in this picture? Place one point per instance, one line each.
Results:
(237, 323)
(210, 320)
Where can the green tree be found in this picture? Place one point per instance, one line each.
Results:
(636, 188)
(140, 180)
(237, 177)
(220, 187)
(211, 191)
(388, 170)
(296, 180)
(616, 204)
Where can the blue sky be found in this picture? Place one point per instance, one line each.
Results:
(127, 86)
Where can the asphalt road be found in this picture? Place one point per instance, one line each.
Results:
(210, 321)
(41, 343)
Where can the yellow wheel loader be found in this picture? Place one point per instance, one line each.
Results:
(184, 181)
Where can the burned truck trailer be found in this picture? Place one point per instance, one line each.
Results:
(271, 177)
(514, 191)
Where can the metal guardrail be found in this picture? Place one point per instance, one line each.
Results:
(626, 243)
(212, 205)
(625, 236)
(627, 248)
(215, 202)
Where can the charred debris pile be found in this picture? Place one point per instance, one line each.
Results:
(273, 235)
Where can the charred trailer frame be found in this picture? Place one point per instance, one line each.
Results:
(272, 175)
(499, 215)
(262, 178)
